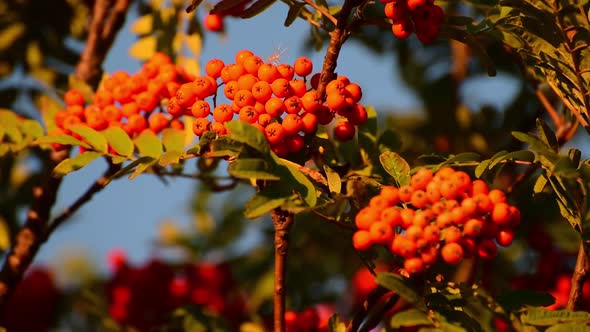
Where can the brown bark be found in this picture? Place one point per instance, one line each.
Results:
(580, 275)
(282, 221)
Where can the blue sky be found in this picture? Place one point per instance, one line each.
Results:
(126, 213)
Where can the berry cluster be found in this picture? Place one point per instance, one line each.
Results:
(144, 297)
(314, 319)
(443, 213)
(127, 101)
(270, 97)
(274, 100)
(420, 16)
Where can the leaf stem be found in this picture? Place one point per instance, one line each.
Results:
(282, 221)
(321, 10)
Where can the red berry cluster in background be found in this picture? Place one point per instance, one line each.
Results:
(279, 100)
(442, 214)
(37, 294)
(420, 16)
(144, 297)
(314, 319)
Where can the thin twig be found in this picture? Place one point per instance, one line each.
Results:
(333, 220)
(580, 275)
(282, 222)
(96, 187)
(557, 120)
(322, 10)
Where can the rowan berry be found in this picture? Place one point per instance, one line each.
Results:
(213, 22)
(452, 253)
(303, 66)
(74, 97)
(361, 240)
(344, 131)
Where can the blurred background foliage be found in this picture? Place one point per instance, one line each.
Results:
(38, 52)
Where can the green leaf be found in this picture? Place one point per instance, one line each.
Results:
(253, 169)
(173, 139)
(257, 8)
(482, 167)
(396, 166)
(60, 139)
(148, 144)
(410, 317)
(461, 157)
(143, 166)
(544, 317)
(73, 164)
(96, 140)
(569, 327)
(334, 181)
(31, 129)
(547, 135)
(304, 186)
(534, 142)
(244, 132)
(118, 139)
(521, 155)
(540, 184)
(131, 167)
(170, 158)
(268, 199)
(402, 287)
(294, 11)
(516, 299)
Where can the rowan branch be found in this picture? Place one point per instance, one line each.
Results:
(580, 275)
(108, 17)
(282, 222)
(337, 38)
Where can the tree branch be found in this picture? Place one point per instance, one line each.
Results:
(581, 274)
(337, 38)
(282, 222)
(108, 17)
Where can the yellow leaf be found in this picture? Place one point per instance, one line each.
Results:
(189, 64)
(34, 56)
(4, 235)
(48, 107)
(177, 42)
(143, 48)
(9, 35)
(189, 135)
(194, 43)
(166, 14)
(143, 25)
(44, 75)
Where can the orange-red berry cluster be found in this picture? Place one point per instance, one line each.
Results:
(270, 97)
(131, 102)
(420, 16)
(277, 99)
(443, 214)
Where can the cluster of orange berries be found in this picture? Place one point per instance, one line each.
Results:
(127, 101)
(270, 97)
(442, 214)
(420, 16)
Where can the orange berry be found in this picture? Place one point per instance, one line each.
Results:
(246, 82)
(391, 193)
(74, 97)
(267, 72)
(230, 89)
(479, 187)
(264, 119)
(274, 132)
(451, 234)
(391, 216)
(201, 109)
(200, 126)
(275, 107)
(366, 217)
(381, 233)
(286, 71)
(501, 214)
(497, 196)
(157, 122)
(335, 87)
(294, 143)
(218, 128)
(261, 91)
(213, 67)
(280, 88)
(292, 123)
(354, 92)
(414, 265)
(146, 101)
(405, 193)
(487, 249)
(452, 253)
(303, 66)
(311, 101)
(213, 22)
(292, 105)
(222, 113)
(431, 233)
(419, 199)
(402, 28)
(344, 131)
(297, 87)
(309, 123)
(186, 95)
(242, 55)
(361, 240)
(335, 101)
(243, 98)
(505, 237)
(252, 64)
(248, 114)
